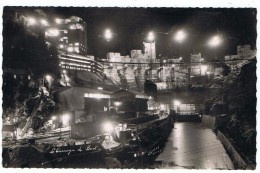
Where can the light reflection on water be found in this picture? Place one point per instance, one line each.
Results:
(190, 146)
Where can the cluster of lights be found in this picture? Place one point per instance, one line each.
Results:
(181, 35)
(52, 32)
(32, 21)
(65, 118)
(44, 22)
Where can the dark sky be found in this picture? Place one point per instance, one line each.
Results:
(236, 25)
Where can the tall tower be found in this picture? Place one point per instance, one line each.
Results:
(149, 49)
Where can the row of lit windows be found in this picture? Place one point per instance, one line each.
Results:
(79, 65)
(76, 64)
(83, 60)
(85, 65)
(80, 68)
(75, 68)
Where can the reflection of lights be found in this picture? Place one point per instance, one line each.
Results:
(150, 36)
(177, 102)
(180, 36)
(117, 103)
(64, 71)
(215, 41)
(61, 46)
(44, 22)
(76, 44)
(208, 73)
(108, 127)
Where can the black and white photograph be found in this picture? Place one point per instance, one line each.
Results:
(129, 87)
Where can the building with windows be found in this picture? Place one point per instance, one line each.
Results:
(70, 35)
(80, 62)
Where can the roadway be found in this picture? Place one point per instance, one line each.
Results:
(192, 146)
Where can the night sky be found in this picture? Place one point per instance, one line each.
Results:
(236, 25)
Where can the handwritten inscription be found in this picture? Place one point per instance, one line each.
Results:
(68, 151)
(154, 151)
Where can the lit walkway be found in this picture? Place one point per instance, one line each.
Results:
(192, 146)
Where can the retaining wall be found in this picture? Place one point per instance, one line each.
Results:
(238, 160)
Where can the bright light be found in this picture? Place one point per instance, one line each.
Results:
(100, 88)
(53, 118)
(96, 95)
(180, 58)
(31, 21)
(202, 59)
(108, 127)
(70, 49)
(180, 36)
(215, 41)
(72, 27)
(176, 102)
(108, 34)
(150, 36)
(208, 73)
(53, 32)
(76, 44)
(117, 103)
(44, 22)
(76, 49)
(65, 119)
(64, 71)
(162, 106)
(48, 78)
(61, 46)
(58, 21)
(204, 69)
(164, 61)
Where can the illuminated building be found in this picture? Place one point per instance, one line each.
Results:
(70, 35)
